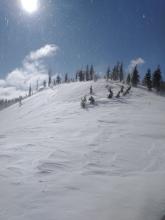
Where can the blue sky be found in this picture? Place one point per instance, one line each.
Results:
(98, 32)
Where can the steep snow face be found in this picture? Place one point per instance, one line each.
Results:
(59, 161)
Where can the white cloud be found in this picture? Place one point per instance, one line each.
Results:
(46, 51)
(17, 81)
(11, 93)
(135, 62)
(2, 83)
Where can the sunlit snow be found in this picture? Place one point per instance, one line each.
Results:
(59, 161)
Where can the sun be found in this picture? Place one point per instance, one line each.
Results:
(30, 6)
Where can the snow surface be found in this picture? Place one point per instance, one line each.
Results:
(61, 162)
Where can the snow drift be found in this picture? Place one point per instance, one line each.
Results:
(61, 162)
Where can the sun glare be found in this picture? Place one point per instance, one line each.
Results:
(30, 5)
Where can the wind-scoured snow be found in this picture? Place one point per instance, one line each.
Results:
(61, 162)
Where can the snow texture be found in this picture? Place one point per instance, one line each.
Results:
(61, 162)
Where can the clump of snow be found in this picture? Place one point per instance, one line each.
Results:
(59, 161)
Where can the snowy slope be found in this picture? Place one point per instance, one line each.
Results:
(61, 162)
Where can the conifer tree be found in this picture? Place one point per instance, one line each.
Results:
(157, 79)
(118, 71)
(66, 78)
(44, 83)
(114, 73)
(81, 76)
(147, 80)
(135, 77)
(87, 73)
(91, 72)
(77, 75)
(58, 79)
(30, 90)
(121, 72)
(54, 82)
(128, 80)
(49, 78)
(37, 86)
(108, 73)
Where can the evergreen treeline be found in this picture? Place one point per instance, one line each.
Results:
(86, 75)
(151, 80)
(116, 74)
(4, 103)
